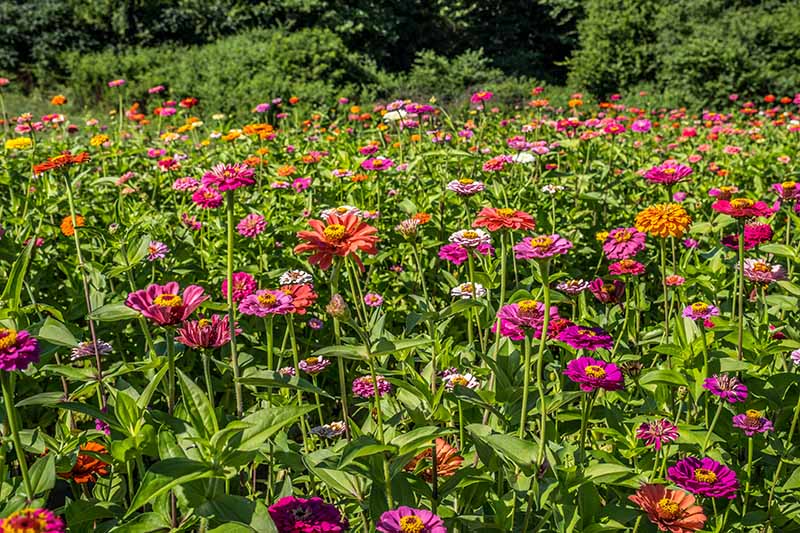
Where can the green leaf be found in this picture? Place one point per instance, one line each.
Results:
(603, 470)
(57, 333)
(113, 312)
(780, 250)
(144, 523)
(127, 412)
(342, 482)
(663, 375)
(358, 352)
(399, 346)
(198, 407)
(43, 398)
(238, 511)
(43, 474)
(363, 446)
(518, 451)
(269, 378)
(144, 398)
(266, 422)
(164, 476)
(13, 289)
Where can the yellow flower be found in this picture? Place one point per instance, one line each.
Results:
(99, 140)
(601, 236)
(20, 143)
(664, 220)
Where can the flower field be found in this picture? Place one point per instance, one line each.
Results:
(573, 316)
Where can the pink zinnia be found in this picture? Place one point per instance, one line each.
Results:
(742, 208)
(299, 515)
(187, 183)
(542, 247)
(251, 225)
(519, 318)
(243, 285)
(364, 388)
(626, 267)
(700, 311)
(205, 333)
(668, 173)
(164, 305)
(229, 177)
(266, 302)
(788, 190)
(207, 198)
(752, 422)
(583, 338)
(592, 374)
(409, 520)
(32, 520)
(624, 243)
(377, 163)
(657, 433)
(17, 350)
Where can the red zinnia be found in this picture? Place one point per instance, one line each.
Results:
(303, 297)
(505, 218)
(742, 208)
(337, 236)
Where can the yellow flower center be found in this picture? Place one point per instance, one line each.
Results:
(741, 203)
(505, 212)
(312, 360)
(203, 323)
(7, 338)
(788, 185)
(705, 475)
(526, 306)
(541, 242)
(699, 307)
(627, 263)
(623, 236)
(595, 371)
(588, 333)
(753, 415)
(459, 380)
(761, 267)
(466, 181)
(334, 232)
(470, 234)
(669, 171)
(267, 299)
(168, 300)
(411, 524)
(728, 189)
(668, 509)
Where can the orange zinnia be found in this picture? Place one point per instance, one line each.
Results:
(58, 99)
(422, 218)
(66, 225)
(671, 510)
(447, 461)
(505, 218)
(337, 236)
(663, 220)
(61, 160)
(87, 467)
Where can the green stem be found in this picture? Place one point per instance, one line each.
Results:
(11, 419)
(523, 415)
(387, 478)
(237, 386)
(296, 358)
(711, 428)
(544, 270)
(749, 471)
(664, 285)
(740, 338)
(783, 456)
(169, 334)
(337, 335)
(207, 376)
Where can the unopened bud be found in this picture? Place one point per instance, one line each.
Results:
(408, 228)
(337, 307)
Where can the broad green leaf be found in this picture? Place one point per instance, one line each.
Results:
(340, 481)
(57, 333)
(13, 289)
(43, 398)
(113, 312)
(144, 398)
(663, 375)
(347, 352)
(198, 407)
(518, 451)
(165, 475)
(363, 446)
(269, 378)
(265, 423)
(43, 474)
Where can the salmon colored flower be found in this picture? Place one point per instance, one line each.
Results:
(337, 236)
(447, 461)
(670, 509)
(302, 295)
(62, 160)
(505, 218)
(87, 467)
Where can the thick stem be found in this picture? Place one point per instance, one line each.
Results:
(387, 478)
(337, 335)
(11, 419)
(523, 415)
(749, 471)
(296, 359)
(207, 376)
(544, 270)
(170, 335)
(740, 337)
(237, 386)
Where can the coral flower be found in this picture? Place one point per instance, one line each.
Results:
(542, 247)
(752, 422)
(337, 236)
(505, 218)
(62, 160)
(32, 521)
(669, 509)
(17, 350)
(266, 302)
(68, 228)
(87, 467)
(592, 374)
(302, 295)
(409, 520)
(704, 477)
(657, 433)
(663, 220)
(742, 208)
(164, 305)
(623, 243)
(300, 515)
(447, 461)
(228, 177)
(205, 333)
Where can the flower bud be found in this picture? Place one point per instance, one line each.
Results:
(337, 307)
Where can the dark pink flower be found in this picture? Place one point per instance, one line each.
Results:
(229, 177)
(584, 338)
(752, 422)
(300, 515)
(704, 477)
(205, 333)
(17, 350)
(409, 520)
(624, 243)
(592, 374)
(164, 305)
(243, 285)
(657, 433)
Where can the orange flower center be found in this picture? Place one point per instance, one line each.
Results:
(669, 171)
(411, 524)
(459, 380)
(588, 333)
(25, 521)
(627, 263)
(541, 242)
(761, 267)
(623, 236)
(335, 232)
(742, 203)
(753, 415)
(470, 234)
(168, 300)
(7, 338)
(668, 509)
(594, 371)
(788, 185)
(267, 299)
(699, 307)
(466, 181)
(505, 212)
(312, 360)
(705, 475)
(526, 306)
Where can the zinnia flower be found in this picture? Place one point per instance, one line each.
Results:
(163, 305)
(266, 302)
(251, 225)
(228, 177)
(68, 228)
(505, 218)
(752, 422)
(542, 247)
(704, 477)
(373, 300)
(452, 377)
(608, 293)
(668, 173)
(207, 198)
(409, 520)
(87, 467)
(329, 431)
(592, 374)
(518, 318)
(669, 509)
(700, 311)
(32, 520)
(657, 433)
(663, 220)
(573, 287)
(762, 272)
(466, 291)
(466, 187)
(302, 295)
(470, 238)
(623, 243)
(363, 387)
(295, 277)
(243, 285)
(726, 387)
(17, 349)
(583, 338)
(337, 237)
(742, 208)
(300, 515)
(626, 267)
(754, 234)
(788, 190)
(205, 333)
(156, 250)
(87, 349)
(447, 461)
(314, 365)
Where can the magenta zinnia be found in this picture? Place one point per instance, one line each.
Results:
(164, 305)
(742, 208)
(300, 515)
(704, 477)
(363, 387)
(592, 374)
(526, 316)
(657, 433)
(542, 247)
(700, 311)
(752, 422)
(726, 387)
(409, 520)
(228, 177)
(17, 350)
(624, 243)
(583, 338)
(32, 521)
(668, 173)
(205, 333)
(266, 302)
